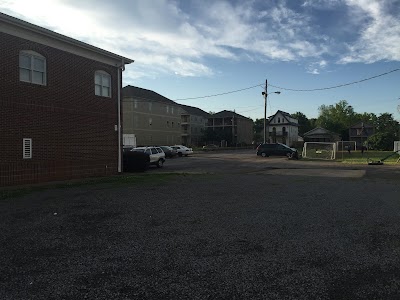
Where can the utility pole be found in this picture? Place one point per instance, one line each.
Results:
(265, 111)
(233, 128)
(265, 94)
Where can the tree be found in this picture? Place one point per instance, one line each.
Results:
(386, 132)
(337, 118)
(209, 135)
(304, 122)
(258, 125)
(381, 141)
(313, 123)
(216, 136)
(369, 118)
(386, 123)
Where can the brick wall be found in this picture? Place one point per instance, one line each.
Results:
(72, 129)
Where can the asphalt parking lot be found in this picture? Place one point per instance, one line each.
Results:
(233, 226)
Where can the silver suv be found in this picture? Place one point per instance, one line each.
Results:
(156, 154)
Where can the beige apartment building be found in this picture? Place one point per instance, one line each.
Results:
(151, 117)
(193, 123)
(232, 127)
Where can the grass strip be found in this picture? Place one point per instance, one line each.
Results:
(105, 182)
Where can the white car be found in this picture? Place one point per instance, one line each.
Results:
(157, 155)
(182, 150)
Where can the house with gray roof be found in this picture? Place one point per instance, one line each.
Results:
(321, 135)
(360, 133)
(282, 128)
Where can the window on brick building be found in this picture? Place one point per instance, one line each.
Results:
(32, 67)
(102, 84)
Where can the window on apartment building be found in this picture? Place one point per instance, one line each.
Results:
(279, 120)
(172, 124)
(150, 105)
(167, 109)
(135, 103)
(167, 123)
(150, 121)
(102, 84)
(26, 148)
(32, 67)
(172, 110)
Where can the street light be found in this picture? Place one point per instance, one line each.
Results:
(265, 94)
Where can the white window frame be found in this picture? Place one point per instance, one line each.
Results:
(32, 55)
(167, 109)
(27, 148)
(102, 84)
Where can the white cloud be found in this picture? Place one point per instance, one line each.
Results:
(175, 37)
(167, 44)
(159, 36)
(380, 37)
(317, 67)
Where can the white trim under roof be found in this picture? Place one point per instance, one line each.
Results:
(34, 33)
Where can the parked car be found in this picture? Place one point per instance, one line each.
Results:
(210, 147)
(182, 150)
(135, 161)
(169, 152)
(156, 154)
(277, 149)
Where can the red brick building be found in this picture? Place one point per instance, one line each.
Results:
(60, 111)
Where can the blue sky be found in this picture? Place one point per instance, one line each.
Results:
(192, 48)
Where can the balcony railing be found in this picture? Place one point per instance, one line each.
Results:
(185, 120)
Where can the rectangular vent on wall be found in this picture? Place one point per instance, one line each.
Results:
(27, 148)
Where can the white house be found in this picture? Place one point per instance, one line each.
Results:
(283, 128)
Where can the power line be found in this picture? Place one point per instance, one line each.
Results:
(220, 94)
(335, 86)
(290, 89)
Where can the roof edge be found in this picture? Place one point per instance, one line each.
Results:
(48, 33)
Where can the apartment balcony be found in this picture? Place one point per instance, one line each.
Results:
(185, 127)
(185, 120)
(185, 133)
